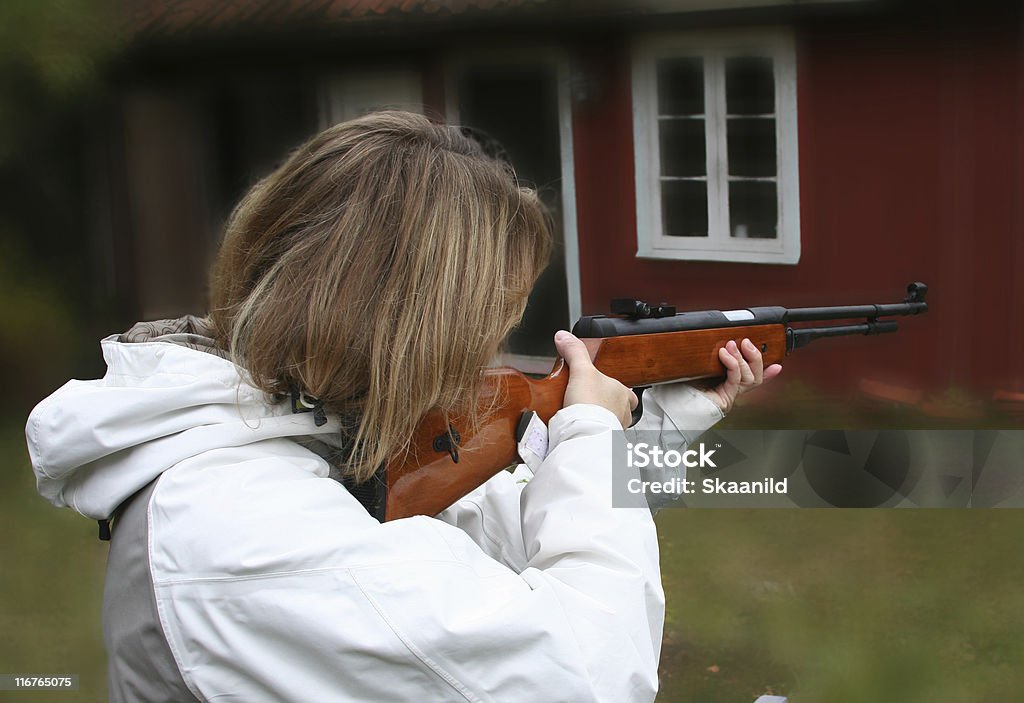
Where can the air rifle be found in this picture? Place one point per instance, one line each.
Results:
(641, 345)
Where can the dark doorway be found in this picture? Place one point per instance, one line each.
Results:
(516, 106)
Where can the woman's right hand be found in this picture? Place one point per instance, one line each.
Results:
(590, 386)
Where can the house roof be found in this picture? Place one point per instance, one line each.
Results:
(168, 18)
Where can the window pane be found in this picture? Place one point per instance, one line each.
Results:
(753, 210)
(682, 147)
(681, 86)
(684, 208)
(751, 147)
(749, 86)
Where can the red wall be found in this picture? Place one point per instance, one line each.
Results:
(911, 153)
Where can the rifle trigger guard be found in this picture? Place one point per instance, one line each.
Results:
(449, 442)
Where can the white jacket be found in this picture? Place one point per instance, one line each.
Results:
(270, 582)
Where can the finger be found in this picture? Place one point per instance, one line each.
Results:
(626, 419)
(772, 371)
(731, 364)
(746, 375)
(627, 416)
(572, 349)
(727, 356)
(754, 360)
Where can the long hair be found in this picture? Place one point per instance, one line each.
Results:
(378, 270)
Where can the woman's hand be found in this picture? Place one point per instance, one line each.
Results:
(744, 371)
(588, 385)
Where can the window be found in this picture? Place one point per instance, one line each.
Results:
(348, 96)
(714, 133)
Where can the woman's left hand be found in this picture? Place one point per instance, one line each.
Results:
(744, 371)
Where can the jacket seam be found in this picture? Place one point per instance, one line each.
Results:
(543, 579)
(163, 344)
(483, 524)
(162, 615)
(116, 375)
(33, 435)
(502, 548)
(712, 411)
(571, 429)
(295, 572)
(414, 650)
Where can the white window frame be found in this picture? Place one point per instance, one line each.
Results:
(355, 93)
(714, 47)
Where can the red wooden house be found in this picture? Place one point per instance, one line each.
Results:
(712, 154)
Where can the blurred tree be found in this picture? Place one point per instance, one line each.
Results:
(52, 54)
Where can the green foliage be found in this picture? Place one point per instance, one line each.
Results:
(49, 48)
(52, 54)
(38, 334)
(57, 41)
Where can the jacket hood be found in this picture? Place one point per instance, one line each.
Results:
(168, 395)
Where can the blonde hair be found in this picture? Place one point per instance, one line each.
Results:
(378, 269)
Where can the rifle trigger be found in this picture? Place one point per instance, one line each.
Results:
(523, 424)
(639, 390)
(449, 442)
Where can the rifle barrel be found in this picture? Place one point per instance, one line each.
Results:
(611, 326)
(796, 338)
(848, 312)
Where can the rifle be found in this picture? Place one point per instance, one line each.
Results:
(640, 346)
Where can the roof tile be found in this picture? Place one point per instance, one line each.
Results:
(184, 16)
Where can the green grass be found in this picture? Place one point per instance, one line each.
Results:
(843, 605)
(51, 584)
(828, 606)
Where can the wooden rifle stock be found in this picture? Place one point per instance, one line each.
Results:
(447, 460)
(429, 480)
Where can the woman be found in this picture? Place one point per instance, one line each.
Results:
(370, 277)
